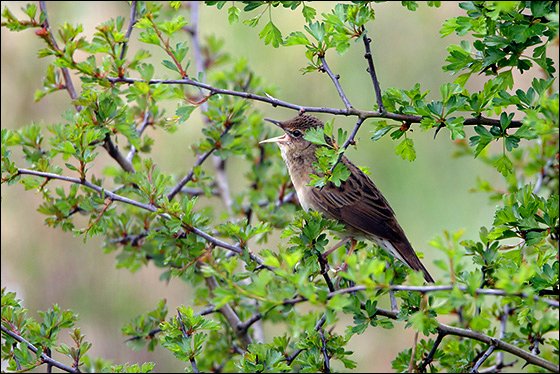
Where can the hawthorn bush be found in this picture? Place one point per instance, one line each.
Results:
(495, 303)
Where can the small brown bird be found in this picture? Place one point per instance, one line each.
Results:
(356, 202)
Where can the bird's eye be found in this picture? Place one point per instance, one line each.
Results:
(296, 133)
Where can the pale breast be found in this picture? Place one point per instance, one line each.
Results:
(300, 179)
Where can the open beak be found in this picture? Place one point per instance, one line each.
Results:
(276, 139)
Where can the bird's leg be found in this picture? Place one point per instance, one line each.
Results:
(335, 247)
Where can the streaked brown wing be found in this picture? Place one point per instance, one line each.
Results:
(360, 205)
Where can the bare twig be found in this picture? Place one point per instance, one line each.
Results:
(335, 79)
(45, 358)
(219, 164)
(413, 353)
(199, 161)
(65, 72)
(324, 264)
(139, 131)
(326, 359)
(129, 29)
(500, 344)
(430, 357)
(427, 289)
(482, 358)
(69, 85)
(247, 324)
(114, 152)
(371, 70)
(148, 207)
(496, 368)
(444, 329)
(229, 313)
(503, 324)
(478, 291)
(349, 141)
(479, 120)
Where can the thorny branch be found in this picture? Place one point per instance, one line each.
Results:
(148, 207)
(335, 79)
(411, 119)
(199, 161)
(200, 63)
(234, 319)
(371, 70)
(482, 358)
(108, 144)
(430, 357)
(45, 358)
(131, 23)
(362, 115)
(443, 329)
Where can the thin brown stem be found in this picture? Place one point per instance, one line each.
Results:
(335, 79)
(129, 29)
(45, 358)
(349, 141)
(430, 357)
(482, 358)
(149, 207)
(69, 85)
(371, 70)
(231, 316)
(326, 358)
(411, 119)
(199, 161)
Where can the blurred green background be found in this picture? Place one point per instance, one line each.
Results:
(46, 266)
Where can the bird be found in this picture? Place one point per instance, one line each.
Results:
(356, 202)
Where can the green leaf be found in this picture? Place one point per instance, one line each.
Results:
(339, 174)
(233, 14)
(184, 112)
(455, 125)
(504, 165)
(316, 136)
(296, 38)
(381, 129)
(406, 150)
(170, 65)
(271, 35)
(308, 13)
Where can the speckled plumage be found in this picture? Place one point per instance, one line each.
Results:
(356, 202)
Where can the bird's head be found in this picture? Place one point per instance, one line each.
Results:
(294, 130)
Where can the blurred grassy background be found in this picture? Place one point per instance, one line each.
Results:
(46, 266)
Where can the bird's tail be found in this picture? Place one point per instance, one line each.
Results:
(404, 252)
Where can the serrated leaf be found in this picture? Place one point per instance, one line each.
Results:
(271, 35)
(504, 165)
(308, 13)
(296, 38)
(184, 112)
(406, 150)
